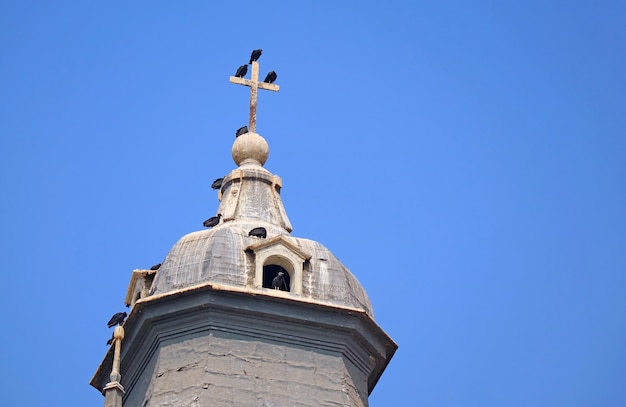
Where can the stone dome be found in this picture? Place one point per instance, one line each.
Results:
(222, 255)
(226, 255)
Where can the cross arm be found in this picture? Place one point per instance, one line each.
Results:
(260, 85)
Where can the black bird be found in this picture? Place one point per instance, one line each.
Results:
(241, 71)
(271, 77)
(241, 130)
(209, 223)
(279, 281)
(117, 319)
(256, 54)
(217, 184)
(110, 341)
(155, 267)
(258, 232)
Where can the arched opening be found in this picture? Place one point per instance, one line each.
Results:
(270, 271)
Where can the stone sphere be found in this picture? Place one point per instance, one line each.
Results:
(250, 148)
(118, 332)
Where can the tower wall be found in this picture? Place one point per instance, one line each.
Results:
(225, 369)
(222, 348)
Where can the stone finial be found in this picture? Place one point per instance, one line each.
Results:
(118, 335)
(250, 148)
(114, 391)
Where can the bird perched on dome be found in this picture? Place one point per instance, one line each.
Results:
(258, 232)
(256, 54)
(214, 221)
(117, 319)
(155, 267)
(241, 71)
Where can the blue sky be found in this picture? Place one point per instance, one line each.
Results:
(465, 160)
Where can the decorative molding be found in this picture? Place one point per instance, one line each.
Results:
(139, 285)
(350, 334)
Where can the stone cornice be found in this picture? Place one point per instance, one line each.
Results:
(253, 314)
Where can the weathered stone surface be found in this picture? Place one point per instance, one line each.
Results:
(219, 256)
(250, 148)
(113, 394)
(235, 371)
(210, 346)
(207, 333)
(250, 198)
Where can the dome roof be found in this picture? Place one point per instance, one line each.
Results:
(222, 256)
(226, 254)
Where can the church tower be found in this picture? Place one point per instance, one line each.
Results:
(244, 313)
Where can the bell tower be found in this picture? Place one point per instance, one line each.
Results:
(211, 327)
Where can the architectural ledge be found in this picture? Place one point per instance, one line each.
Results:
(268, 315)
(279, 240)
(247, 290)
(114, 385)
(138, 278)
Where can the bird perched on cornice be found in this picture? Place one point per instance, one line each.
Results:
(217, 184)
(117, 319)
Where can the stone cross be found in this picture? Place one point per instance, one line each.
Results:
(254, 85)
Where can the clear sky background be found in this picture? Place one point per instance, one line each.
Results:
(465, 160)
